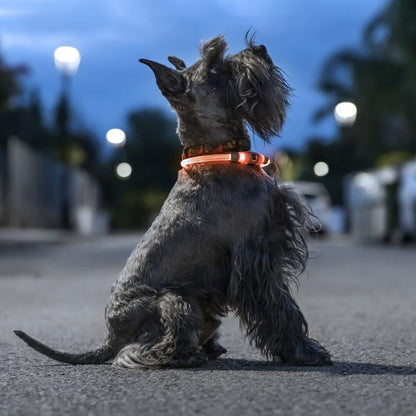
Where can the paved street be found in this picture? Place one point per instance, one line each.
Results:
(360, 301)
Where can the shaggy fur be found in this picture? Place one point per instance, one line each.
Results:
(227, 237)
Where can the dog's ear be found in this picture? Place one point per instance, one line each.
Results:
(258, 90)
(177, 63)
(169, 81)
(212, 52)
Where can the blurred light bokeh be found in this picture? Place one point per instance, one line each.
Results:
(345, 113)
(67, 60)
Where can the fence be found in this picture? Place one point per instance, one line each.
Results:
(40, 193)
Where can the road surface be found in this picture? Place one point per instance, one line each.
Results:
(360, 302)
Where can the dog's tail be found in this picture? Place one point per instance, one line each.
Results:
(98, 356)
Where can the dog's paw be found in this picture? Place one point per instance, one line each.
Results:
(213, 350)
(315, 359)
(308, 353)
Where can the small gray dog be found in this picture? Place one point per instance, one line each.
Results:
(227, 237)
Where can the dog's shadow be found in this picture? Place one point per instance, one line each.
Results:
(340, 368)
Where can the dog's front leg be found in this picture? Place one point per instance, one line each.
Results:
(208, 338)
(276, 325)
(291, 343)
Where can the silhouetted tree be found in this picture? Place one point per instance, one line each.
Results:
(10, 90)
(26, 121)
(154, 151)
(153, 148)
(380, 79)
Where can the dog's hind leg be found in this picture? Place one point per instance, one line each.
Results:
(177, 345)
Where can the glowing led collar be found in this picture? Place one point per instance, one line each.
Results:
(245, 158)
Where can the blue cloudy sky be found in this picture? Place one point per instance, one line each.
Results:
(112, 34)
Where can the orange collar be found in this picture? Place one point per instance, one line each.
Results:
(233, 145)
(245, 158)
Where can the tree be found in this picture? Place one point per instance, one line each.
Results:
(154, 151)
(9, 83)
(9, 89)
(26, 121)
(71, 144)
(380, 79)
(21, 115)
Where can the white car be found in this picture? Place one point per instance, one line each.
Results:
(407, 202)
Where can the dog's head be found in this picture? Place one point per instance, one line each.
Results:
(214, 96)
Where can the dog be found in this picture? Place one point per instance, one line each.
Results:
(228, 237)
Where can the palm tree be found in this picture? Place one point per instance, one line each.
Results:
(380, 78)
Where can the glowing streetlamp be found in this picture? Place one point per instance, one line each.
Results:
(123, 170)
(345, 113)
(67, 60)
(116, 137)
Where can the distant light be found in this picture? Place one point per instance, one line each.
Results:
(282, 158)
(123, 170)
(116, 137)
(387, 175)
(321, 169)
(366, 181)
(67, 59)
(345, 113)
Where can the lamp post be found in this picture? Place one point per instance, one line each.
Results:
(67, 60)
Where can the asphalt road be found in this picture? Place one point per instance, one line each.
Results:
(360, 302)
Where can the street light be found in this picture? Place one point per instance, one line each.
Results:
(67, 60)
(321, 169)
(123, 170)
(345, 113)
(116, 137)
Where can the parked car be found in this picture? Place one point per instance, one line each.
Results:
(319, 200)
(365, 197)
(407, 202)
(381, 203)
